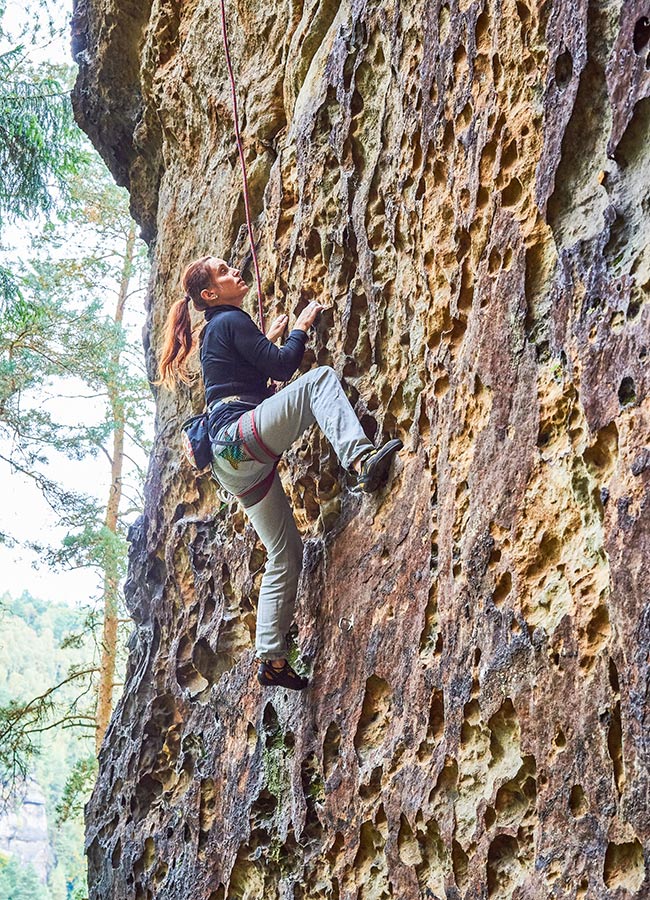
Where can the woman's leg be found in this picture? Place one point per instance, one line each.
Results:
(316, 396)
(273, 521)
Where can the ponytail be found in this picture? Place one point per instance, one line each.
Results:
(178, 341)
(177, 344)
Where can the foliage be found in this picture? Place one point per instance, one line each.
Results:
(64, 762)
(64, 350)
(81, 779)
(39, 142)
(20, 882)
(60, 328)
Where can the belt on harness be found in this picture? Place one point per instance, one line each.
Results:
(236, 398)
(254, 446)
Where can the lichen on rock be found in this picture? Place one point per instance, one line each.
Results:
(466, 185)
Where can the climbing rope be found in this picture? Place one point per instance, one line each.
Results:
(224, 29)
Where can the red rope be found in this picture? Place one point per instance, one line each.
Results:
(243, 165)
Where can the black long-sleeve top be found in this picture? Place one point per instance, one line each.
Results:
(238, 360)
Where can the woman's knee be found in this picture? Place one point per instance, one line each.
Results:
(324, 373)
(323, 378)
(286, 553)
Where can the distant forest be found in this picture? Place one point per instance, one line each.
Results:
(41, 643)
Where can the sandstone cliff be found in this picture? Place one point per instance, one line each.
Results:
(467, 185)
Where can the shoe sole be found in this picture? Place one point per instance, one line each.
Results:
(266, 682)
(381, 465)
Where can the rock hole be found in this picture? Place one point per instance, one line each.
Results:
(563, 69)
(613, 677)
(560, 739)
(313, 789)
(435, 726)
(369, 425)
(147, 790)
(482, 197)
(578, 802)
(271, 725)
(372, 788)
(116, 855)
(615, 747)
(497, 69)
(206, 662)
(494, 261)
(407, 845)
(598, 628)
(187, 675)
(471, 719)
(207, 809)
(432, 870)
(482, 29)
(149, 854)
(460, 58)
(511, 194)
(509, 155)
(641, 34)
(601, 456)
(502, 589)
(356, 106)
(460, 865)
(441, 386)
(331, 748)
(430, 635)
(523, 12)
(161, 873)
(209, 604)
(624, 866)
(633, 309)
(504, 731)
(263, 810)
(627, 392)
(375, 716)
(518, 795)
(503, 866)
(444, 21)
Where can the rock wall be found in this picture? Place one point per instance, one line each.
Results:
(466, 184)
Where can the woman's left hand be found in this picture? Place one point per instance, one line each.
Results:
(276, 328)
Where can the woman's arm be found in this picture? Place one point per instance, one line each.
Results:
(274, 362)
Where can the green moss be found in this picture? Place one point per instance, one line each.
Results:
(277, 775)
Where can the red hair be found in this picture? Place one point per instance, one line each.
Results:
(178, 342)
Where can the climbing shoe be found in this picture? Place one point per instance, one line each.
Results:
(375, 466)
(269, 676)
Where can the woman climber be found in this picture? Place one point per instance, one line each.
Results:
(250, 427)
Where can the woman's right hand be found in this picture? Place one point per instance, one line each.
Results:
(306, 318)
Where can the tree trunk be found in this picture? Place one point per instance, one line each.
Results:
(111, 565)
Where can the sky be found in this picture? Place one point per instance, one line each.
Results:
(23, 511)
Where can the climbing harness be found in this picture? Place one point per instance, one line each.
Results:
(224, 29)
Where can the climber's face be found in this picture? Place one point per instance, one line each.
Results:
(228, 287)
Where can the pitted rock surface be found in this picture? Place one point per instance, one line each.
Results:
(466, 186)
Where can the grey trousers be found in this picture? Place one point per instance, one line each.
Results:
(318, 397)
